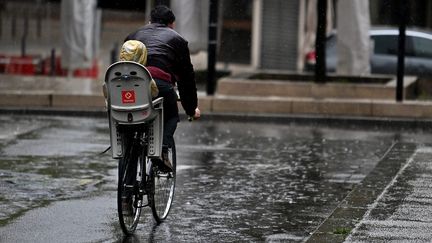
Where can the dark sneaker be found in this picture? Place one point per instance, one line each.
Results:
(167, 161)
(164, 165)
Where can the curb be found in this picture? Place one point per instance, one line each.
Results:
(353, 208)
(49, 111)
(311, 120)
(253, 105)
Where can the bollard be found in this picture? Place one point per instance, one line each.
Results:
(39, 12)
(23, 45)
(53, 64)
(1, 22)
(114, 53)
(26, 24)
(38, 26)
(24, 36)
(13, 27)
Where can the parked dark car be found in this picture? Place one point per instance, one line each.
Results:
(418, 52)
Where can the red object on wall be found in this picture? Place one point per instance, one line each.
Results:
(35, 65)
(26, 65)
(91, 72)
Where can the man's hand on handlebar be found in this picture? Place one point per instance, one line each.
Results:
(196, 116)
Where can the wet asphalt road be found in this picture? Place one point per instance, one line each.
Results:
(237, 181)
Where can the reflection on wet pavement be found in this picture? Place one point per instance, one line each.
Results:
(253, 182)
(236, 181)
(403, 213)
(49, 159)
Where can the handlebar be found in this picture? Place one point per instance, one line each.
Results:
(191, 118)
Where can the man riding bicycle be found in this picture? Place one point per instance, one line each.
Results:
(169, 63)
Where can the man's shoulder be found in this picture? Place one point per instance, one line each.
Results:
(176, 35)
(166, 29)
(162, 31)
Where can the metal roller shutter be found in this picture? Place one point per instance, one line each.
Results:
(280, 21)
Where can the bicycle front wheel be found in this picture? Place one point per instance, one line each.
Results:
(129, 200)
(163, 185)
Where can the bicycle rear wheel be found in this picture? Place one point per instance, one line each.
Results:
(163, 185)
(129, 200)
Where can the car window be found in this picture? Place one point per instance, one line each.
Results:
(422, 47)
(385, 44)
(388, 45)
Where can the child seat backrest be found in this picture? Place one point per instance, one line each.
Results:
(129, 94)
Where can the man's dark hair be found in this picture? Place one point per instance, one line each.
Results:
(162, 14)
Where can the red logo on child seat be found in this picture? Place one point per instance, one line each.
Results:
(128, 96)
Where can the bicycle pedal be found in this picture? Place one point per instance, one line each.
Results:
(143, 206)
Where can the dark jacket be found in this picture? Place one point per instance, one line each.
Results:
(169, 51)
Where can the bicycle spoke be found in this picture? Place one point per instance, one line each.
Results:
(163, 189)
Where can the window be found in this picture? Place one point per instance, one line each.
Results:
(385, 44)
(236, 31)
(422, 47)
(388, 45)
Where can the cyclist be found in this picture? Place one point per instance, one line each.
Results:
(169, 64)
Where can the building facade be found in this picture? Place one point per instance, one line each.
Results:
(264, 34)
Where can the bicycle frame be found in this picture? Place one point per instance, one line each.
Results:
(137, 141)
(136, 133)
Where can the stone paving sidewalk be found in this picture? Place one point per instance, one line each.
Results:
(392, 204)
(403, 212)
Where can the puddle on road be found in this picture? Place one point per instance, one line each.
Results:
(50, 159)
(255, 182)
(236, 181)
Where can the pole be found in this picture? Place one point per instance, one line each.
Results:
(24, 36)
(320, 66)
(114, 53)
(23, 45)
(402, 9)
(162, 2)
(212, 45)
(53, 62)
(38, 19)
(38, 25)
(1, 20)
(13, 27)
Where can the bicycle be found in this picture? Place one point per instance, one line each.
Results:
(136, 129)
